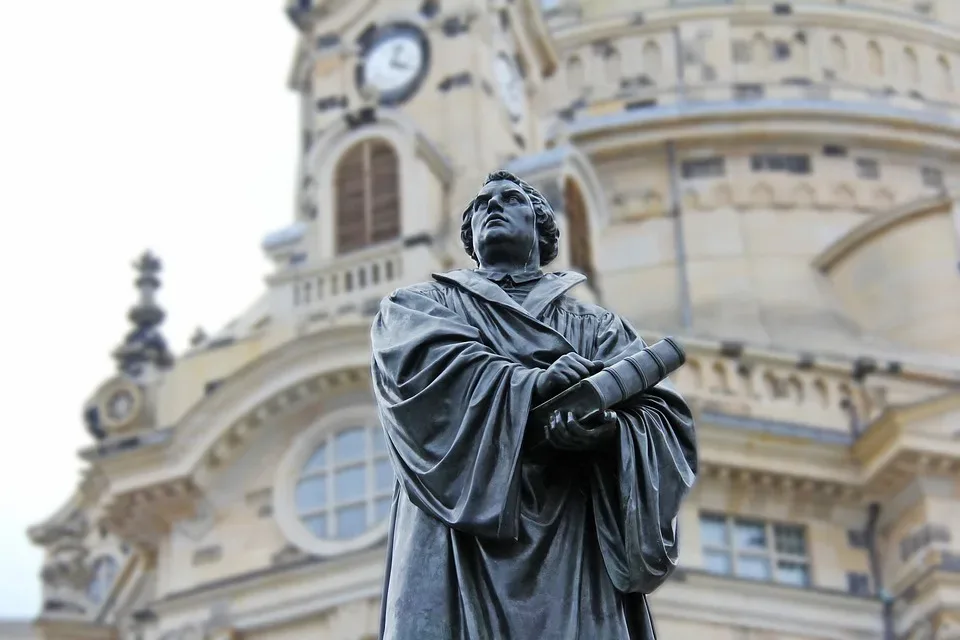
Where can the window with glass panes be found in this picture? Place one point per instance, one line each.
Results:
(755, 549)
(346, 486)
(102, 576)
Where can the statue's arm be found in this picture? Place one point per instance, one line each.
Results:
(453, 412)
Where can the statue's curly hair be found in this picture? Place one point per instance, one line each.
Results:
(546, 220)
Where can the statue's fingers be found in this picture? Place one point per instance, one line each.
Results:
(553, 431)
(582, 436)
(574, 427)
(577, 359)
(558, 437)
(569, 377)
(579, 369)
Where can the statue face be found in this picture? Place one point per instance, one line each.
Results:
(504, 225)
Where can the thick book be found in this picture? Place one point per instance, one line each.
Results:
(634, 374)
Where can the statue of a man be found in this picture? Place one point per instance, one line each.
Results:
(496, 534)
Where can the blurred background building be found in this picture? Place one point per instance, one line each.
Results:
(767, 181)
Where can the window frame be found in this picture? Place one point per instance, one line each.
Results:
(290, 472)
(798, 164)
(367, 222)
(770, 553)
(867, 168)
(703, 168)
(97, 566)
(334, 464)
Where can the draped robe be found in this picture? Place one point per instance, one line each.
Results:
(488, 541)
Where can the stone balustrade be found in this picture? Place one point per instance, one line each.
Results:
(779, 391)
(351, 285)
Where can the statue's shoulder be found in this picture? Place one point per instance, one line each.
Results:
(575, 306)
(430, 288)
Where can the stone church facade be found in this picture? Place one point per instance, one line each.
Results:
(768, 182)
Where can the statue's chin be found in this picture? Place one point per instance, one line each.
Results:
(500, 245)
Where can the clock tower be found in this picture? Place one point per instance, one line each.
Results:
(406, 106)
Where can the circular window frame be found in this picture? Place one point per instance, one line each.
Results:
(288, 475)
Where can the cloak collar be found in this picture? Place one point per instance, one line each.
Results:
(516, 278)
(550, 287)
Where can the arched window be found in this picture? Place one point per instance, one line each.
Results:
(761, 49)
(611, 65)
(346, 486)
(875, 58)
(101, 581)
(651, 60)
(946, 73)
(911, 65)
(575, 74)
(367, 196)
(578, 229)
(838, 54)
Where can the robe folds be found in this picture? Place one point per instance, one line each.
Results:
(489, 542)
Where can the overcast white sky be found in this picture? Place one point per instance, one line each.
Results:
(123, 126)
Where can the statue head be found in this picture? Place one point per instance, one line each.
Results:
(509, 224)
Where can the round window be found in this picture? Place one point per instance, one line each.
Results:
(346, 486)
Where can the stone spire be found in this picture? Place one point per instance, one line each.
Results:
(144, 344)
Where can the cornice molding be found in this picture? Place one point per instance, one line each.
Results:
(704, 122)
(810, 612)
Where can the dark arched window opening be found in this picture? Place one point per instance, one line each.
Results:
(367, 197)
(578, 230)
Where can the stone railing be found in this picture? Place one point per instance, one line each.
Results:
(350, 285)
(753, 386)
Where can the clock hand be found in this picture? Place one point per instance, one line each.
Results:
(395, 59)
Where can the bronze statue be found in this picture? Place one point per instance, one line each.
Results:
(503, 527)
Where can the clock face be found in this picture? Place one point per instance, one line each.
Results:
(120, 405)
(511, 86)
(394, 63)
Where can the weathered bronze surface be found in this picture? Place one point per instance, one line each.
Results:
(503, 527)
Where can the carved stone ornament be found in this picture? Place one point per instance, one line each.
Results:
(120, 403)
(335, 13)
(72, 530)
(67, 569)
(65, 577)
(118, 407)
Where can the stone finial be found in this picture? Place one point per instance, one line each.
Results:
(144, 344)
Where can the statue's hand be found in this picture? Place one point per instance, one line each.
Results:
(565, 432)
(568, 370)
